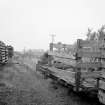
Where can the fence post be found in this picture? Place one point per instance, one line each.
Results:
(78, 70)
(49, 56)
(98, 79)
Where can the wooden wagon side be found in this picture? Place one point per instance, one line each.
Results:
(82, 69)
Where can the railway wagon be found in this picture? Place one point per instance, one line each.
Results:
(82, 68)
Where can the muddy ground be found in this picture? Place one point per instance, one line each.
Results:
(20, 85)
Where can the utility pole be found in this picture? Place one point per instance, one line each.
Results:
(51, 50)
(24, 50)
(52, 36)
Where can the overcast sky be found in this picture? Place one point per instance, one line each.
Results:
(29, 23)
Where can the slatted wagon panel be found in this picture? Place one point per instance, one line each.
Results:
(85, 63)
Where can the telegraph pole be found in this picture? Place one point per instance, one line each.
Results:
(52, 41)
(52, 36)
(24, 50)
(51, 50)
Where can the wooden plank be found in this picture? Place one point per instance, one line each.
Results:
(2, 48)
(103, 73)
(2, 54)
(89, 53)
(103, 54)
(102, 84)
(89, 65)
(95, 43)
(103, 65)
(61, 55)
(67, 46)
(101, 44)
(65, 61)
(89, 83)
(87, 43)
(69, 76)
(66, 78)
(102, 80)
(66, 75)
(84, 53)
(60, 45)
(95, 74)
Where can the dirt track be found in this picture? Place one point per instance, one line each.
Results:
(23, 86)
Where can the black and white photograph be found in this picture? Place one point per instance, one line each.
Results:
(52, 52)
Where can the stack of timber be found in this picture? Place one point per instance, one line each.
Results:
(6, 52)
(3, 53)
